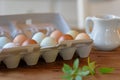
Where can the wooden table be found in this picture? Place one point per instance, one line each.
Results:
(52, 71)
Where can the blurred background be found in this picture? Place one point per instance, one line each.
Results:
(74, 11)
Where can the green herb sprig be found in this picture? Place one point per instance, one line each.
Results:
(77, 73)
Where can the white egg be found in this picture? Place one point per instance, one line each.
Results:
(73, 33)
(48, 41)
(3, 41)
(38, 37)
(10, 45)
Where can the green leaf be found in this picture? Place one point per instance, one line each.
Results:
(92, 65)
(85, 68)
(76, 64)
(78, 78)
(105, 70)
(67, 69)
(84, 73)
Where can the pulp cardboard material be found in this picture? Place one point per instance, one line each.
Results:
(31, 53)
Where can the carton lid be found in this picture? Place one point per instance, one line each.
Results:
(54, 18)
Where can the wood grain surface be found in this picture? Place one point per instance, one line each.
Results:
(52, 71)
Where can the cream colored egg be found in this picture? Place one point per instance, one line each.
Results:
(82, 36)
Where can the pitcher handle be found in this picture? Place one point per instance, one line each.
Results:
(88, 23)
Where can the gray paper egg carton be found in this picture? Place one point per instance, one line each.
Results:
(31, 54)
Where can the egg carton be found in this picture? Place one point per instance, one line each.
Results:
(11, 57)
(30, 54)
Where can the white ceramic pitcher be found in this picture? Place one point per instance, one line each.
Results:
(105, 32)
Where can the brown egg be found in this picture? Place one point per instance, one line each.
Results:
(56, 34)
(65, 37)
(81, 36)
(20, 39)
(73, 33)
(29, 41)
